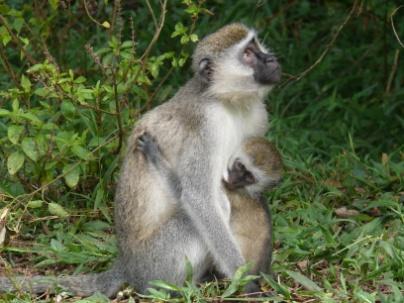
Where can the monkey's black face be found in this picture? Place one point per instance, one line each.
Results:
(239, 176)
(267, 70)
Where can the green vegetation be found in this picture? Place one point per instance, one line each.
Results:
(76, 75)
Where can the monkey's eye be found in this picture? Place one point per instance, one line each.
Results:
(239, 166)
(249, 178)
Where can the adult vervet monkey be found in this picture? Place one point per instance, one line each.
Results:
(257, 167)
(198, 130)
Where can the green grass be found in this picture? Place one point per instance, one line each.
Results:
(339, 213)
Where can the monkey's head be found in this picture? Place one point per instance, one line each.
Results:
(235, 65)
(258, 167)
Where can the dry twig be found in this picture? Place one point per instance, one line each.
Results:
(327, 48)
(392, 25)
(393, 71)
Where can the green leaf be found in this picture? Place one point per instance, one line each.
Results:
(164, 285)
(278, 287)
(15, 105)
(41, 144)
(72, 175)
(14, 132)
(31, 117)
(29, 147)
(79, 80)
(35, 204)
(184, 39)
(25, 83)
(18, 24)
(42, 91)
(4, 112)
(57, 245)
(99, 197)
(188, 271)
(54, 4)
(4, 35)
(158, 294)
(14, 162)
(57, 210)
(238, 280)
(194, 37)
(303, 280)
(364, 296)
(81, 152)
(67, 108)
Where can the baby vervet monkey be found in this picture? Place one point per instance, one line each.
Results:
(256, 169)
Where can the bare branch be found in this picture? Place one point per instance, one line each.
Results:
(158, 31)
(152, 14)
(394, 28)
(393, 71)
(327, 48)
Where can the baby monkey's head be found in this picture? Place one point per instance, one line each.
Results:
(257, 168)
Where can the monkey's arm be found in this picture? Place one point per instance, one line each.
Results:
(196, 192)
(202, 199)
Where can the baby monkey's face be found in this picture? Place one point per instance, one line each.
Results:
(254, 179)
(239, 176)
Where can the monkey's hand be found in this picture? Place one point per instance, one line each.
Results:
(147, 144)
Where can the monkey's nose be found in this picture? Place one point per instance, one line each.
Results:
(270, 59)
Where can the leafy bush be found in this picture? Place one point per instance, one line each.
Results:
(76, 76)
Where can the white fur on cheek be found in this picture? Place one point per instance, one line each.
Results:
(234, 81)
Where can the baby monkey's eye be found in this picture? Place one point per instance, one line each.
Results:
(239, 166)
(249, 178)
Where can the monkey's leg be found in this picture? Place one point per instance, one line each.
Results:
(164, 255)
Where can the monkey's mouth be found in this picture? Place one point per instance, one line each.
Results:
(228, 185)
(275, 76)
(269, 76)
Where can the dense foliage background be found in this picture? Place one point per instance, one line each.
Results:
(76, 75)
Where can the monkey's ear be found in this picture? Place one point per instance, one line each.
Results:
(205, 69)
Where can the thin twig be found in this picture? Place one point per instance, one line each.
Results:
(118, 111)
(116, 13)
(132, 37)
(152, 14)
(17, 41)
(89, 15)
(393, 71)
(327, 48)
(156, 35)
(394, 28)
(8, 67)
(158, 31)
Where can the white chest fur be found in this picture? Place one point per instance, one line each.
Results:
(229, 127)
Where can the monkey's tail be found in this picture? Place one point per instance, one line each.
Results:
(107, 283)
